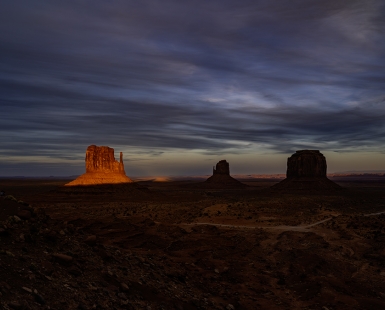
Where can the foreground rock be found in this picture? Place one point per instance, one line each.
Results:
(306, 170)
(102, 168)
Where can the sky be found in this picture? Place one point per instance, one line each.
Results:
(179, 85)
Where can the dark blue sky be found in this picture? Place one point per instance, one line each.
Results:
(179, 85)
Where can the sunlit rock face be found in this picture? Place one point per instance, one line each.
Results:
(306, 170)
(102, 168)
(306, 163)
(102, 159)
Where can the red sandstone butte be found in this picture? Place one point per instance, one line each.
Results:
(306, 170)
(221, 177)
(306, 163)
(102, 168)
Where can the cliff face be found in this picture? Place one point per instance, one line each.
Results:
(306, 163)
(306, 171)
(102, 159)
(221, 177)
(102, 168)
(222, 167)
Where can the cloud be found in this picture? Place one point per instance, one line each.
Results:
(218, 77)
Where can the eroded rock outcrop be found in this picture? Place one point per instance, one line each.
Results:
(102, 168)
(306, 163)
(102, 159)
(222, 167)
(221, 177)
(306, 170)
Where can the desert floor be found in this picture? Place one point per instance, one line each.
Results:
(172, 245)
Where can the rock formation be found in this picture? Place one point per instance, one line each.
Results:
(306, 170)
(221, 177)
(222, 167)
(102, 168)
(306, 163)
(102, 159)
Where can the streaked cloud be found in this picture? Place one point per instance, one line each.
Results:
(209, 78)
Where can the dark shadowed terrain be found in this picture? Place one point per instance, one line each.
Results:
(174, 245)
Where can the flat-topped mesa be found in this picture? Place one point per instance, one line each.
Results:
(222, 167)
(102, 159)
(306, 170)
(306, 163)
(102, 168)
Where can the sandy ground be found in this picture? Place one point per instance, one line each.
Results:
(172, 245)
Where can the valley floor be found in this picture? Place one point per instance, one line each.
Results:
(171, 245)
